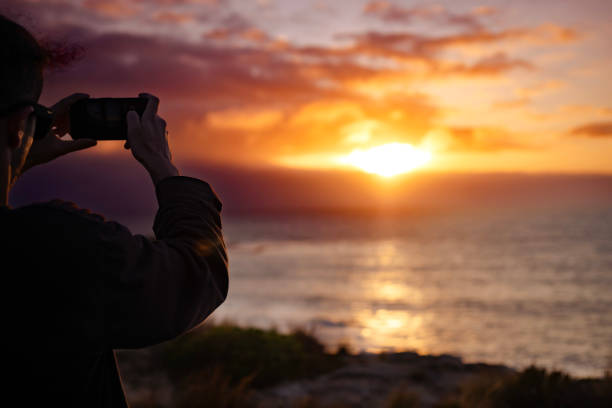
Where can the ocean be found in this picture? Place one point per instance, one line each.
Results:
(517, 287)
(521, 287)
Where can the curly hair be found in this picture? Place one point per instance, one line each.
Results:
(23, 60)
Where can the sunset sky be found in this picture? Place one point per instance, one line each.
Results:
(481, 86)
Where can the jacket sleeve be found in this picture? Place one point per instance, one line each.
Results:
(158, 289)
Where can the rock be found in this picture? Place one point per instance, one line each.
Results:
(368, 379)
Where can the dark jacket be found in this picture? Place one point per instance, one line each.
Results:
(76, 287)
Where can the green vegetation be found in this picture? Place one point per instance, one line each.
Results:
(401, 399)
(225, 366)
(531, 388)
(266, 357)
(206, 389)
(220, 366)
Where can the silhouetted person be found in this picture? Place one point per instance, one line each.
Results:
(76, 287)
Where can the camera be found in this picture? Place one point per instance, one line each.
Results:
(103, 118)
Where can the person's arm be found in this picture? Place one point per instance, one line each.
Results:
(158, 289)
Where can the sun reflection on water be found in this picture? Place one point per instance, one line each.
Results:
(388, 290)
(383, 254)
(391, 330)
(390, 324)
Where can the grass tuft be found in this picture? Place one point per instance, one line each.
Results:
(403, 399)
(534, 388)
(265, 356)
(214, 390)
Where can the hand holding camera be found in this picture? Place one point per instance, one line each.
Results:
(147, 138)
(51, 125)
(88, 120)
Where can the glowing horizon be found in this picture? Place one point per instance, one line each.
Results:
(387, 160)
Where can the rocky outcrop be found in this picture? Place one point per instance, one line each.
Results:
(370, 380)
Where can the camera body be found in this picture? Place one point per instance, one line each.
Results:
(103, 118)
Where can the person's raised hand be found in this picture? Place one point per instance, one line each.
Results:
(147, 138)
(52, 146)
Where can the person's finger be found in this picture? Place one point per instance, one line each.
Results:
(152, 105)
(169, 152)
(64, 105)
(133, 128)
(161, 123)
(61, 111)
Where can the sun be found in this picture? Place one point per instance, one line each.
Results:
(388, 160)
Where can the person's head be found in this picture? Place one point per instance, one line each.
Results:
(21, 81)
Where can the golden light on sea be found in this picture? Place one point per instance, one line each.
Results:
(391, 330)
(388, 160)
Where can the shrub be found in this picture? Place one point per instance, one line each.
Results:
(265, 356)
(213, 390)
(535, 387)
(402, 399)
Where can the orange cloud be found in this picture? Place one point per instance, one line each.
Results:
(245, 120)
(408, 48)
(392, 13)
(554, 33)
(594, 130)
(111, 8)
(539, 88)
(180, 2)
(484, 11)
(491, 65)
(236, 29)
(483, 140)
(525, 94)
(172, 17)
